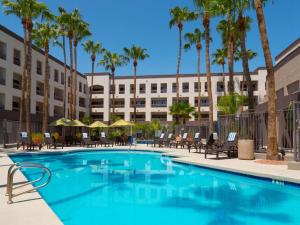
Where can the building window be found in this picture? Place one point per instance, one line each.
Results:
(220, 86)
(196, 88)
(121, 89)
(97, 103)
(56, 77)
(131, 88)
(142, 88)
(69, 81)
(158, 102)
(97, 116)
(159, 116)
(16, 104)
(2, 76)
(84, 88)
(205, 87)
(140, 103)
(255, 85)
(17, 81)
(203, 102)
(62, 78)
(119, 103)
(153, 88)
(39, 108)
(163, 88)
(112, 89)
(58, 94)
(39, 67)
(80, 87)
(2, 101)
(97, 89)
(40, 89)
(81, 102)
(2, 50)
(293, 87)
(17, 57)
(174, 87)
(185, 87)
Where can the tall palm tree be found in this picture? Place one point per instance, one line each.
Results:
(28, 10)
(18, 9)
(135, 53)
(243, 25)
(61, 20)
(110, 61)
(272, 151)
(81, 31)
(219, 58)
(181, 110)
(42, 35)
(93, 48)
(195, 38)
(178, 17)
(207, 10)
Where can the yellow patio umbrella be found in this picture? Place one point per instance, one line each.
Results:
(98, 124)
(121, 123)
(62, 122)
(77, 123)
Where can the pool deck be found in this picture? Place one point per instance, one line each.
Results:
(31, 209)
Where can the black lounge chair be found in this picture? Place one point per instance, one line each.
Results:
(50, 141)
(25, 141)
(196, 143)
(184, 140)
(212, 141)
(104, 141)
(229, 147)
(160, 140)
(86, 141)
(166, 142)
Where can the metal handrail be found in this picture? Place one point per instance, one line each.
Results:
(18, 166)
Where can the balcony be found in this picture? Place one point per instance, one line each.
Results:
(97, 103)
(82, 102)
(159, 103)
(97, 89)
(17, 81)
(58, 94)
(140, 103)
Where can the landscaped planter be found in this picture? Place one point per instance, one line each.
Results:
(246, 149)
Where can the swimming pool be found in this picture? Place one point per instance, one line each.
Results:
(122, 188)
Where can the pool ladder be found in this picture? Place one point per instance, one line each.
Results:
(27, 165)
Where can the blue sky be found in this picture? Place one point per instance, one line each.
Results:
(121, 23)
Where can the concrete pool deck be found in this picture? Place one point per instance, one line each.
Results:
(31, 209)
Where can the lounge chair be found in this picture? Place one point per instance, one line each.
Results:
(196, 143)
(86, 141)
(212, 141)
(25, 141)
(159, 140)
(184, 140)
(229, 147)
(168, 140)
(104, 141)
(50, 141)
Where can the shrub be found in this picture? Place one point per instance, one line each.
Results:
(37, 138)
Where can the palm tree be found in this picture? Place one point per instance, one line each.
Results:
(28, 10)
(230, 104)
(181, 110)
(135, 53)
(110, 61)
(61, 21)
(195, 38)
(219, 58)
(178, 17)
(93, 48)
(81, 31)
(243, 25)
(42, 36)
(207, 9)
(272, 151)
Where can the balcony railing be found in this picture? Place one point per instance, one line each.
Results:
(58, 97)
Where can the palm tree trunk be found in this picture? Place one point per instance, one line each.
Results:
(224, 78)
(246, 70)
(65, 75)
(46, 88)
(230, 56)
(28, 80)
(71, 77)
(134, 92)
(206, 24)
(22, 105)
(272, 151)
(199, 85)
(92, 83)
(178, 63)
(114, 91)
(75, 82)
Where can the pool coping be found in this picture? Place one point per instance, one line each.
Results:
(178, 156)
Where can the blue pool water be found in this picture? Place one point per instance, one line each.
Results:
(122, 188)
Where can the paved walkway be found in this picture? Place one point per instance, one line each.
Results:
(32, 209)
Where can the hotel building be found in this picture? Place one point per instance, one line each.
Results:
(11, 67)
(155, 93)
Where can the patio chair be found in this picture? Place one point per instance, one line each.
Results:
(86, 141)
(229, 147)
(25, 141)
(50, 141)
(184, 140)
(159, 140)
(196, 143)
(211, 142)
(166, 142)
(104, 140)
